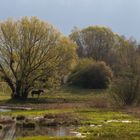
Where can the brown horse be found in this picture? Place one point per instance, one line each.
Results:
(37, 92)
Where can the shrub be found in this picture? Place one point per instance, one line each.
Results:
(126, 90)
(90, 74)
(126, 87)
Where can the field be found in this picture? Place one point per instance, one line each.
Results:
(89, 111)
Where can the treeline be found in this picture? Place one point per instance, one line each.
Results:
(33, 54)
(120, 54)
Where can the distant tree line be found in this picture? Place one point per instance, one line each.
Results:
(120, 54)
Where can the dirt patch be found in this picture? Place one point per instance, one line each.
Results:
(6, 120)
(133, 110)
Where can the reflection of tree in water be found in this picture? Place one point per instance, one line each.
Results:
(8, 132)
(45, 131)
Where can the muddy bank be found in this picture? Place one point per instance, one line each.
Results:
(43, 106)
(10, 107)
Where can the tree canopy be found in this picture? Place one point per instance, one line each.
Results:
(29, 49)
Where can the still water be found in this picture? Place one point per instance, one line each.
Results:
(12, 132)
(5, 110)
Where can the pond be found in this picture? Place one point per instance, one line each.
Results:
(12, 132)
(48, 131)
(5, 110)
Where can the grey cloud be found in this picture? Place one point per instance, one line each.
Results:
(120, 15)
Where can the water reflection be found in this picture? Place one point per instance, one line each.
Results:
(48, 131)
(5, 110)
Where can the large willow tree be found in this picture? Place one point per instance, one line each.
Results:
(28, 50)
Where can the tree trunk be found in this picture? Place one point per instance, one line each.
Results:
(20, 95)
(20, 92)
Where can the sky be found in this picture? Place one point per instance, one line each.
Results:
(122, 16)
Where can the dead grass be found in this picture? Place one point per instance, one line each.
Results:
(133, 110)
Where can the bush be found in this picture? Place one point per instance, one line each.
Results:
(126, 86)
(126, 90)
(90, 74)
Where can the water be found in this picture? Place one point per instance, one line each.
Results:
(5, 110)
(60, 131)
(12, 132)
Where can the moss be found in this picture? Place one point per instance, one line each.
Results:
(113, 131)
(97, 116)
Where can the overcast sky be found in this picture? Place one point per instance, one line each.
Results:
(123, 16)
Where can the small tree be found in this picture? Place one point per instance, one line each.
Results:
(90, 74)
(126, 85)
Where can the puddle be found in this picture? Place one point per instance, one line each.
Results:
(5, 110)
(121, 121)
(93, 125)
(9, 132)
(10, 108)
(78, 134)
(13, 132)
(46, 131)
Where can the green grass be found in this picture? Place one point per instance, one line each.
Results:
(99, 115)
(75, 93)
(103, 129)
(94, 121)
(90, 115)
(36, 112)
(4, 97)
(67, 94)
(121, 131)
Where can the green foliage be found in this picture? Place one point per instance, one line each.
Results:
(65, 61)
(30, 51)
(126, 91)
(90, 74)
(126, 86)
(94, 41)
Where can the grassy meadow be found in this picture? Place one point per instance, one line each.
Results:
(96, 116)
